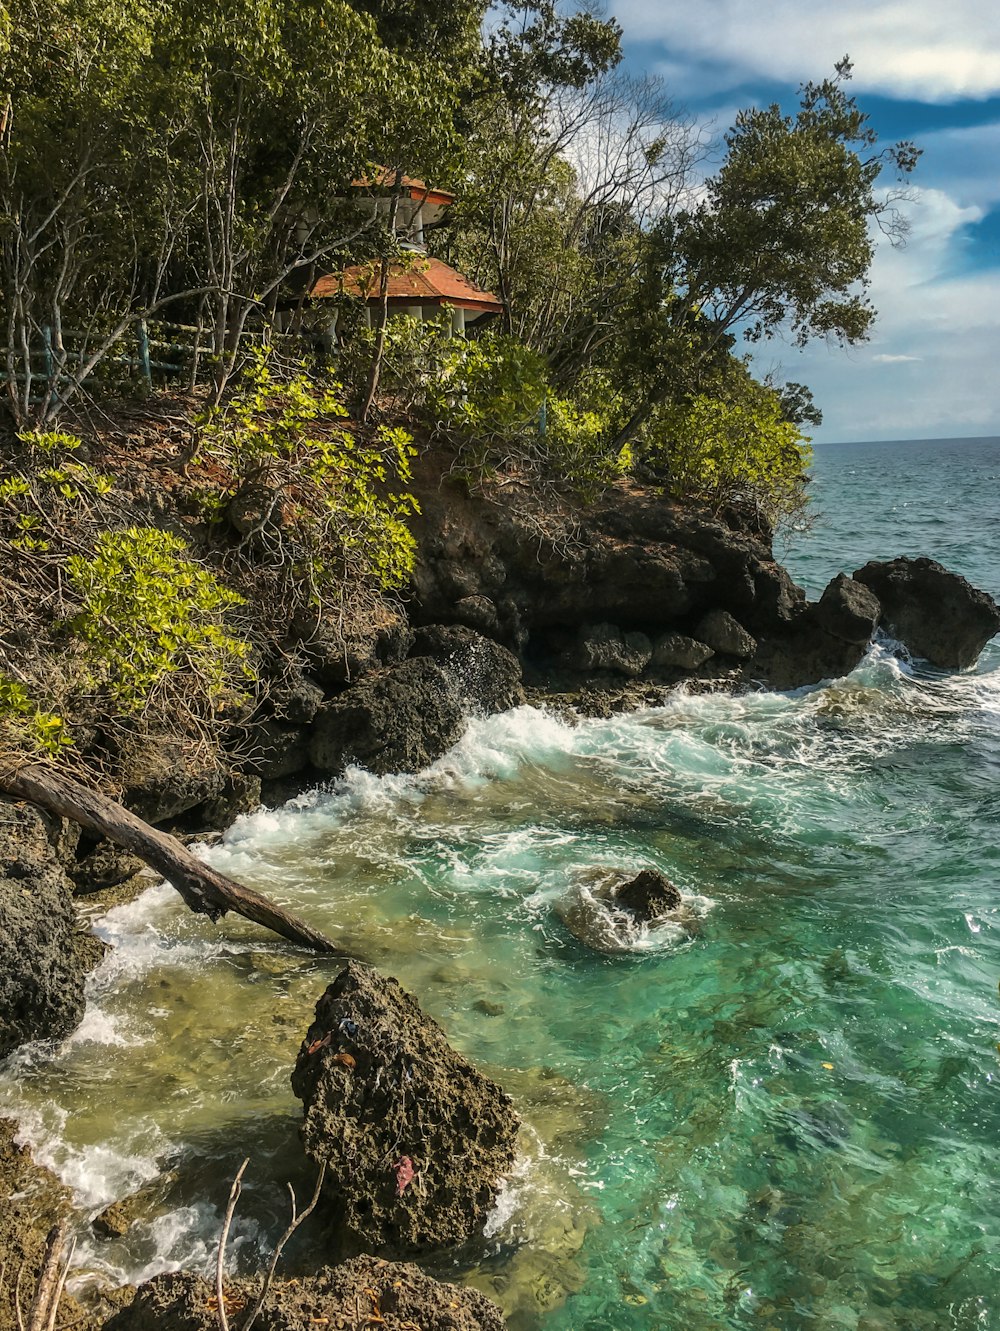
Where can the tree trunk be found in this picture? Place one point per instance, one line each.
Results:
(375, 369)
(204, 889)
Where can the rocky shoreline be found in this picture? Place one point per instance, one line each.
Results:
(597, 610)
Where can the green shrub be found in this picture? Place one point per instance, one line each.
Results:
(732, 442)
(331, 515)
(27, 728)
(152, 618)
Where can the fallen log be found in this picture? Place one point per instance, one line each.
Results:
(204, 889)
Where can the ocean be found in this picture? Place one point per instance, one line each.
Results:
(783, 1114)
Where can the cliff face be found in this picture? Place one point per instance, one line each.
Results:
(634, 559)
(613, 603)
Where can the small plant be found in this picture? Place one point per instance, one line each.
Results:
(26, 726)
(152, 617)
(50, 441)
(330, 508)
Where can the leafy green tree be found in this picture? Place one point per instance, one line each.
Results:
(191, 157)
(731, 441)
(782, 240)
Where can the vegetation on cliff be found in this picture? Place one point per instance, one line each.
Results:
(196, 163)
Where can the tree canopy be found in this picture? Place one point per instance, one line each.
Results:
(196, 159)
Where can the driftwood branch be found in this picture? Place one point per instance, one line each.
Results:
(220, 1261)
(51, 1279)
(204, 889)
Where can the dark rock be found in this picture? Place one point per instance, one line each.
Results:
(240, 794)
(848, 610)
(163, 776)
(479, 612)
(339, 653)
(648, 896)
(362, 1293)
(399, 720)
(275, 750)
(805, 655)
(677, 650)
(486, 675)
(606, 647)
(724, 634)
(42, 968)
(416, 1140)
(296, 698)
(939, 615)
(103, 868)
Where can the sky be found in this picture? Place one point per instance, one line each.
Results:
(923, 70)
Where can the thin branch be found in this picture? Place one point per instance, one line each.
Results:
(234, 1196)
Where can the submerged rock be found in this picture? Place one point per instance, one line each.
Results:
(399, 720)
(938, 614)
(416, 1141)
(648, 896)
(610, 913)
(42, 961)
(362, 1293)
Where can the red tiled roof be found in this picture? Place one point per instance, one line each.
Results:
(425, 282)
(385, 178)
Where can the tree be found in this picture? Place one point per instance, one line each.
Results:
(731, 442)
(188, 156)
(781, 241)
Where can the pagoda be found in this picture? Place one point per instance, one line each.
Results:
(418, 285)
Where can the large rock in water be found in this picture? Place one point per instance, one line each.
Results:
(362, 1293)
(42, 968)
(939, 615)
(486, 675)
(399, 720)
(415, 1139)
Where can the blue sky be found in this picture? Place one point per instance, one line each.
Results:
(923, 70)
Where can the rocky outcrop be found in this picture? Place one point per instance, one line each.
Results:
(486, 675)
(362, 1293)
(937, 614)
(403, 717)
(42, 967)
(416, 1141)
(31, 1200)
(827, 640)
(635, 560)
(398, 720)
(848, 610)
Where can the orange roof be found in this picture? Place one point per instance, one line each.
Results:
(425, 282)
(385, 178)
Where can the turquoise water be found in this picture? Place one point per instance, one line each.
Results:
(783, 1115)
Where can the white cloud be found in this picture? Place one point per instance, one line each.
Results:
(905, 48)
(929, 370)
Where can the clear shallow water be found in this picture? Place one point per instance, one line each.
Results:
(785, 1117)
